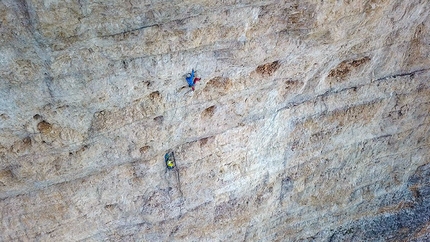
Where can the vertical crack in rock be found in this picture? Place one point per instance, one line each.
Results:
(30, 21)
(286, 187)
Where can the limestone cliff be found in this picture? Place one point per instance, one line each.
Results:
(311, 121)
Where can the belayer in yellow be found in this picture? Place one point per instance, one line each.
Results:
(169, 158)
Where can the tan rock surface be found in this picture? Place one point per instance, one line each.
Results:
(311, 121)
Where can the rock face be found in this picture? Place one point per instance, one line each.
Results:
(311, 121)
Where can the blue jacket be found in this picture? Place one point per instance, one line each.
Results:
(190, 78)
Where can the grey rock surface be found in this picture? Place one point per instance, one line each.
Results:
(310, 122)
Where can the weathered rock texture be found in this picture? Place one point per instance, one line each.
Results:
(311, 121)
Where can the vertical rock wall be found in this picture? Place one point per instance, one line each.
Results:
(311, 121)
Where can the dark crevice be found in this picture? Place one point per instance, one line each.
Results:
(354, 88)
(127, 32)
(325, 94)
(412, 73)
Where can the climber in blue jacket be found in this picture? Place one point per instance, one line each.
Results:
(191, 79)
